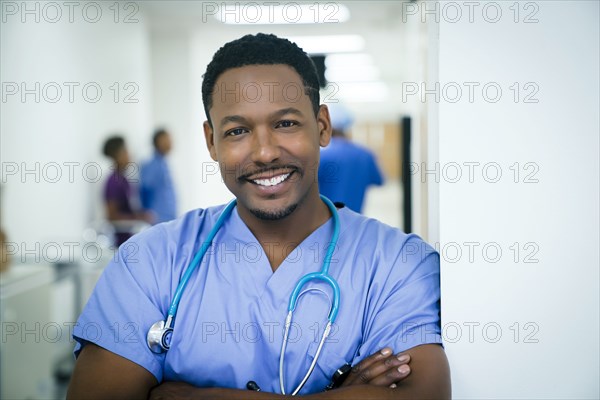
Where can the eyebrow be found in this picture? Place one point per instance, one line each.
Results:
(289, 110)
(276, 114)
(232, 118)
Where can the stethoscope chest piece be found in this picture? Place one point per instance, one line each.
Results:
(159, 337)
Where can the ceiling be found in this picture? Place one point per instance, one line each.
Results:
(396, 47)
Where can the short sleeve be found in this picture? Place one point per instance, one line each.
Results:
(123, 306)
(407, 310)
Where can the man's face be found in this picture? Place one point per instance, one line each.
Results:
(266, 138)
(122, 157)
(163, 143)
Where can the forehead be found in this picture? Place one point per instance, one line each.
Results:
(265, 86)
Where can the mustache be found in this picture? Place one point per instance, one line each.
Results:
(269, 168)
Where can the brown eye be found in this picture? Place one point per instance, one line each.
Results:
(235, 132)
(286, 124)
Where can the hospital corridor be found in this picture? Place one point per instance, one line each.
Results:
(309, 186)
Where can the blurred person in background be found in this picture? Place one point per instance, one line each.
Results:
(117, 192)
(347, 169)
(157, 193)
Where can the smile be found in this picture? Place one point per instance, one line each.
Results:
(276, 180)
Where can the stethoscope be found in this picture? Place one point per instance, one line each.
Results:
(160, 333)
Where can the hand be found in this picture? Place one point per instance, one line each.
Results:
(380, 369)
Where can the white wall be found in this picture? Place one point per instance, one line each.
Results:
(171, 71)
(556, 354)
(179, 59)
(58, 201)
(59, 139)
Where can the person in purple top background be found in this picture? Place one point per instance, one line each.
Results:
(117, 192)
(346, 169)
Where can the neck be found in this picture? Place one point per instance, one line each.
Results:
(280, 237)
(308, 216)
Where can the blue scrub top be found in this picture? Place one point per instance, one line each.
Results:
(229, 326)
(156, 188)
(346, 170)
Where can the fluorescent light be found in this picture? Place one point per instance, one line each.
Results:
(329, 43)
(253, 13)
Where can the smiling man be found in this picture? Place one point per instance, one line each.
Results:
(265, 127)
(269, 148)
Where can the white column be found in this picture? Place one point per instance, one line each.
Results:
(523, 323)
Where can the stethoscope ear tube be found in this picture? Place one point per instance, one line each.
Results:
(199, 256)
(159, 334)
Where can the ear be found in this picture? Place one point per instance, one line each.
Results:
(210, 140)
(324, 124)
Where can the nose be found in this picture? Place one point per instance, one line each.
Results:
(265, 148)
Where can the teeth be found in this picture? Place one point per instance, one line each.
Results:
(276, 180)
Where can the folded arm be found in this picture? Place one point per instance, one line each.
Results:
(101, 374)
(429, 379)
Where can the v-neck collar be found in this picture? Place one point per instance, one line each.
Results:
(254, 264)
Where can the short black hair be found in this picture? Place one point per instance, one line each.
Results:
(261, 49)
(157, 134)
(112, 146)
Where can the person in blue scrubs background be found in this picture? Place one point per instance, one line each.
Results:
(265, 126)
(157, 193)
(346, 169)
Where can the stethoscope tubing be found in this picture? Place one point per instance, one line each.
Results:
(159, 341)
(196, 261)
(324, 273)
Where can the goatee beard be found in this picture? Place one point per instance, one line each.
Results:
(274, 215)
